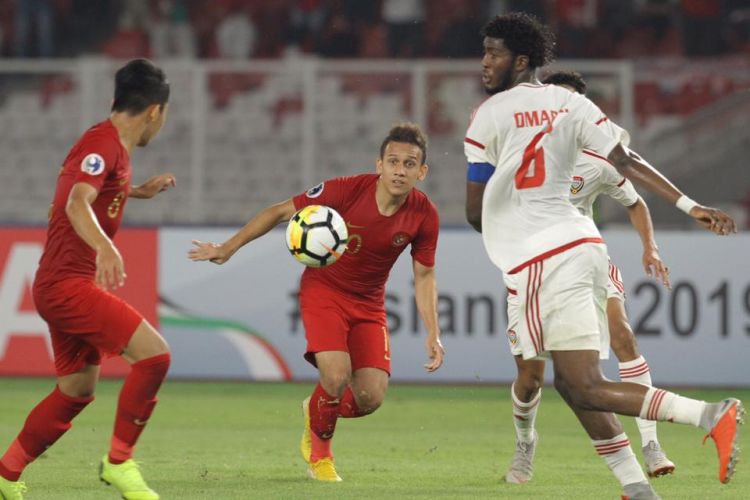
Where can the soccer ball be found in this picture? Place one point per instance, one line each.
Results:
(316, 236)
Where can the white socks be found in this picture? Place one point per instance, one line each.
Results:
(637, 372)
(524, 415)
(668, 406)
(620, 459)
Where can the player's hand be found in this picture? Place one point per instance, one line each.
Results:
(212, 252)
(435, 352)
(656, 268)
(110, 269)
(714, 220)
(155, 185)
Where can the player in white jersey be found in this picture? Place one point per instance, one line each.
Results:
(593, 176)
(521, 147)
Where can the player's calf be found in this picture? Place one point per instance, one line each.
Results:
(367, 397)
(136, 404)
(622, 341)
(46, 423)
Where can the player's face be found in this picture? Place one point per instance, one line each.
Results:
(401, 167)
(497, 66)
(155, 116)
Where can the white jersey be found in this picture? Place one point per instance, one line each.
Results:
(532, 135)
(595, 175)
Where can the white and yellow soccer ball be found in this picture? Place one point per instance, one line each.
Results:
(316, 236)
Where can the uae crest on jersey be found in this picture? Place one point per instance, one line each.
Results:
(576, 185)
(512, 337)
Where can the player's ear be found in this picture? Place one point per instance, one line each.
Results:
(153, 112)
(521, 63)
(379, 166)
(423, 171)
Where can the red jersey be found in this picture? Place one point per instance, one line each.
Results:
(99, 159)
(375, 240)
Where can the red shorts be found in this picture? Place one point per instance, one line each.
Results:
(337, 322)
(85, 322)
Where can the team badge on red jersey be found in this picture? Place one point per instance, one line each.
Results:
(400, 239)
(93, 164)
(577, 184)
(315, 191)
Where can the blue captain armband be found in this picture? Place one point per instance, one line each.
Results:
(479, 172)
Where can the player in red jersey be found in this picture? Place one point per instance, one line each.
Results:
(343, 306)
(79, 264)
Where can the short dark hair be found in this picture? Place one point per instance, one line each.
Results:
(409, 133)
(569, 78)
(523, 34)
(138, 85)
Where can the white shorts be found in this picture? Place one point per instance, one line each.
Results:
(615, 287)
(560, 304)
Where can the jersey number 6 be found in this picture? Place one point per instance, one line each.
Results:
(535, 157)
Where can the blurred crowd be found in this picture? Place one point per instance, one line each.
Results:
(244, 29)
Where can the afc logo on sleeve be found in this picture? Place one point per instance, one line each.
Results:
(315, 191)
(93, 164)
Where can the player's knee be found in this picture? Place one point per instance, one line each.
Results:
(579, 392)
(369, 400)
(154, 367)
(528, 384)
(159, 347)
(78, 385)
(78, 390)
(146, 343)
(335, 383)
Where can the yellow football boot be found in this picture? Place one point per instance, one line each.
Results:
(11, 490)
(127, 478)
(305, 445)
(323, 470)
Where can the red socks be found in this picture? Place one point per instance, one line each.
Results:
(52, 417)
(49, 420)
(324, 410)
(136, 403)
(348, 407)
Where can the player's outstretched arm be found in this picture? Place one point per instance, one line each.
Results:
(645, 175)
(259, 225)
(153, 186)
(640, 218)
(474, 194)
(425, 293)
(110, 269)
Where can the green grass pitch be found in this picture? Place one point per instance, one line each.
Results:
(223, 441)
